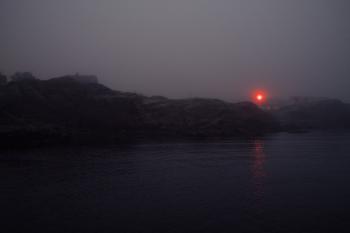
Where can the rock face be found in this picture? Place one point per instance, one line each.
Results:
(21, 76)
(205, 117)
(69, 110)
(84, 78)
(317, 114)
(66, 110)
(3, 79)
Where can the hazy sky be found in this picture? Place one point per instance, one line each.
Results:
(184, 48)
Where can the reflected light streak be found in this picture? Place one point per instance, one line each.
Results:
(258, 168)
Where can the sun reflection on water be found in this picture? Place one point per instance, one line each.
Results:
(258, 168)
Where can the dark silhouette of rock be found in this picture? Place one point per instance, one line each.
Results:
(3, 79)
(83, 78)
(22, 76)
(314, 114)
(205, 117)
(66, 110)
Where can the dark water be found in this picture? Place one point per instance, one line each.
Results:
(280, 183)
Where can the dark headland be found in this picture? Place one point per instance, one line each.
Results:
(76, 109)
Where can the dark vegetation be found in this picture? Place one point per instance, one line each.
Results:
(77, 109)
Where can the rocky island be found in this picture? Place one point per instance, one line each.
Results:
(76, 109)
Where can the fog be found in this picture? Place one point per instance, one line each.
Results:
(184, 48)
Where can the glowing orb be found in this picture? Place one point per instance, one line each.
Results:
(259, 96)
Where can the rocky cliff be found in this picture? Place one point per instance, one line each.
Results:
(66, 110)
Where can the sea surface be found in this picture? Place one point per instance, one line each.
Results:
(283, 183)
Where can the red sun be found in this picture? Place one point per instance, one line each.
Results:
(259, 97)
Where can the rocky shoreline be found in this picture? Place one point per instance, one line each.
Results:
(68, 110)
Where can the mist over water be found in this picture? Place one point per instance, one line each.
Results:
(184, 48)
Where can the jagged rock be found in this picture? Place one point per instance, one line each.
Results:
(66, 110)
(92, 112)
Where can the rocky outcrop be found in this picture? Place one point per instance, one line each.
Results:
(205, 117)
(316, 114)
(65, 110)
